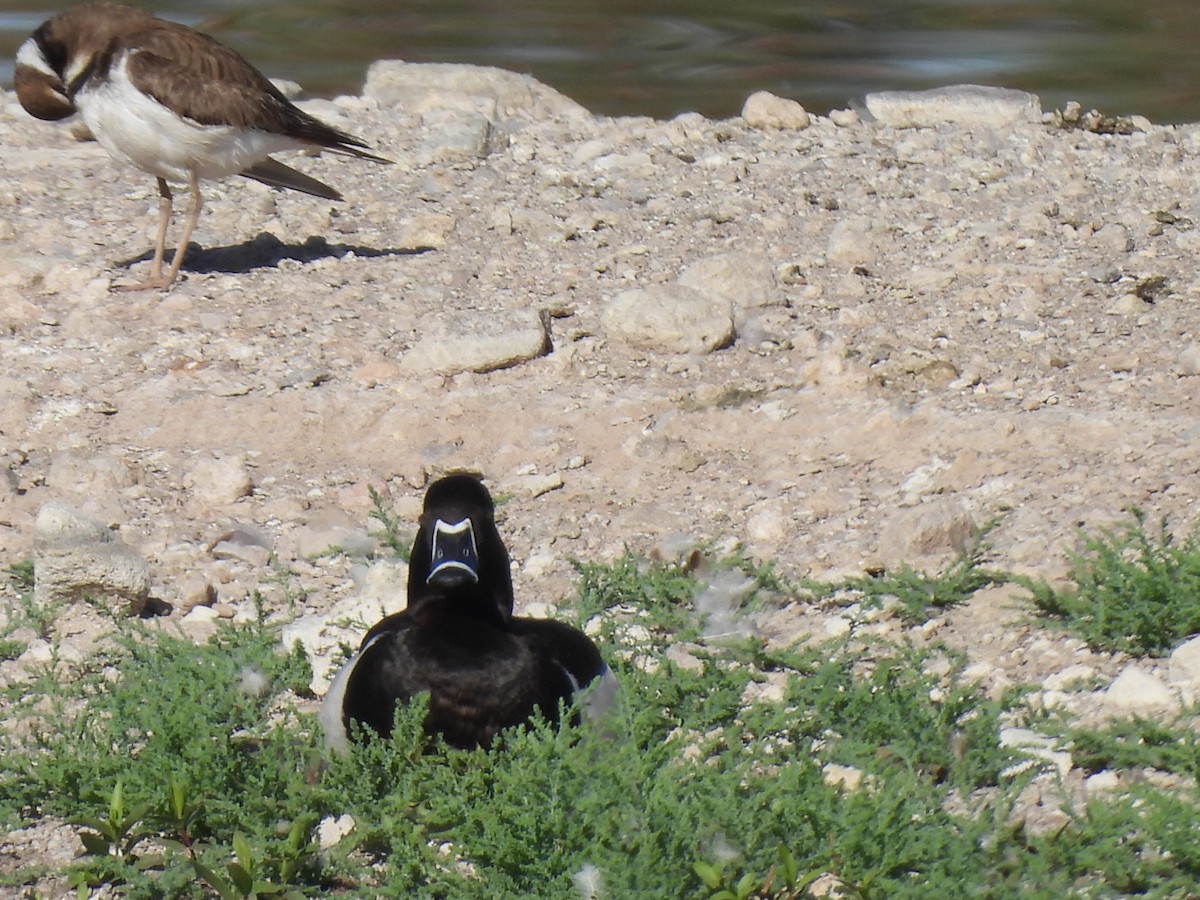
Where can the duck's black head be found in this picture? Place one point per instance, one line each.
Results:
(458, 557)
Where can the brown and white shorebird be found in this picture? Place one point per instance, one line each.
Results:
(172, 102)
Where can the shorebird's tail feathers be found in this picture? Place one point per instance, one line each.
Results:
(276, 174)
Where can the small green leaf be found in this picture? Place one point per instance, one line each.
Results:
(241, 878)
(95, 844)
(82, 884)
(116, 803)
(787, 862)
(298, 834)
(177, 797)
(102, 827)
(173, 845)
(243, 854)
(709, 874)
(217, 882)
(127, 828)
(150, 861)
(745, 886)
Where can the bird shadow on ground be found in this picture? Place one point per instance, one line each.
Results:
(267, 251)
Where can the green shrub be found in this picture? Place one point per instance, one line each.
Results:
(1134, 591)
(189, 772)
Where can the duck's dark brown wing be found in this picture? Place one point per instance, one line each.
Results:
(568, 647)
(594, 686)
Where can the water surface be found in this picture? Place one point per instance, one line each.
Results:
(662, 57)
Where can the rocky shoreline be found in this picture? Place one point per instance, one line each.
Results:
(837, 343)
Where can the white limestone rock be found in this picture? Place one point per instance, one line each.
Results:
(419, 87)
(670, 317)
(76, 557)
(963, 104)
(480, 343)
(763, 109)
(1137, 692)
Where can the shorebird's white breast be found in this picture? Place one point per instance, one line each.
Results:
(136, 128)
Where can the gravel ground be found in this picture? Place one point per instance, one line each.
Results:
(831, 341)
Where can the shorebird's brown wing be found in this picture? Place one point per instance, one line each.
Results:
(201, 79)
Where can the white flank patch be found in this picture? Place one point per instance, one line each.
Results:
(330, 715)
(139, 130)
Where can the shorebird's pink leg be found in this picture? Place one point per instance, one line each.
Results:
(156, 281)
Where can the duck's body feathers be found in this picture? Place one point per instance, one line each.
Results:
(479, 679)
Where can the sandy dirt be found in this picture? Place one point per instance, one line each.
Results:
(941, 327)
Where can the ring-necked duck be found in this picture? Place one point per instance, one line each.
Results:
(483, 668)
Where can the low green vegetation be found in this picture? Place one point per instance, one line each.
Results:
(1136, 743)
(730, 769)
(917, 596)
(1136, 589)
(392, 533)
